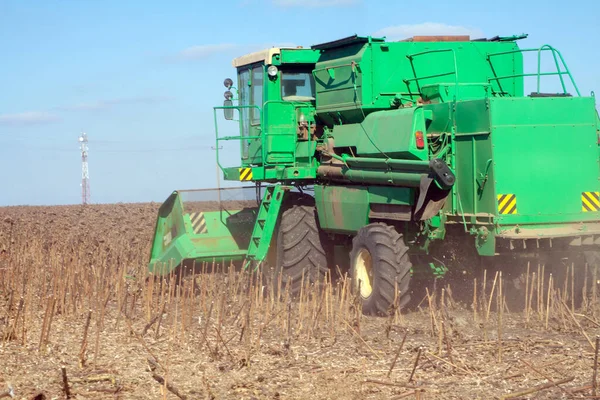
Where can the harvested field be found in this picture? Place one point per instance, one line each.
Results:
(78, 320)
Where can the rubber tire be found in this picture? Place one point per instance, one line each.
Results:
(390, 265)
(300, 244)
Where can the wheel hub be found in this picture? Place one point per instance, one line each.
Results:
(364, 272)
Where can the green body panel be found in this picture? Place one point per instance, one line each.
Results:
(473, 155)
(522, 146)
(444, 92)
(344, 209)
(541, 151)
(283, 174)
(545, 152)
(389, 132)
(297, 56)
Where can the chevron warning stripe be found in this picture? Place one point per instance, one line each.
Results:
(590, 201)
(507, 204)
(245, 174)
(198, 222)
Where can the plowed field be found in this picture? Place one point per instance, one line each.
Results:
(78, 319)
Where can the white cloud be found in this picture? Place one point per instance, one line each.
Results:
(45, 117)
(400, 32)
(200, 52)
(314, 3)
(102, 105)
(28, 118)
(249, 48)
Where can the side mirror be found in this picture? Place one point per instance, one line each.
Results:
(228, 112)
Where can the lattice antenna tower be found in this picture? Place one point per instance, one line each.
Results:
(85, 175)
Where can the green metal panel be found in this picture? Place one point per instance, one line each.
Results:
(390, 195)
(390, 133)
(299, 56)
(345, 209)
(441, 93)
(342, 209)
(545, 155)
(280, 131)
(473, 159)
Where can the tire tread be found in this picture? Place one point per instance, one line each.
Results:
(391, 262)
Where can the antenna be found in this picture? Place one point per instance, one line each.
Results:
(85, 175)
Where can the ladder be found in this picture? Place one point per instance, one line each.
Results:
(264, 227)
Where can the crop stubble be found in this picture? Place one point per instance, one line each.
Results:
(77, 317)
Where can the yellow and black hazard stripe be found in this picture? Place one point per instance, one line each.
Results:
(245, 174)
(590, 201)
(507, 204)
(198, 222)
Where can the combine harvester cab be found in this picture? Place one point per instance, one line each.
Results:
(199, 227)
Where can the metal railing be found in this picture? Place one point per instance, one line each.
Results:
(416, 79)
(539, 73)
(265, 132)
(238, 137)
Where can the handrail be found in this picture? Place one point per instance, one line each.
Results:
(416, 79)
(539, 73)
(241, 137)
(221, 189)
(263, 129)
(450, 118)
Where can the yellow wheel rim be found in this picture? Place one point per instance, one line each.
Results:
(363, 273)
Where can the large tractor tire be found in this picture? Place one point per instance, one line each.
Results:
(299, 247)
(380, 264)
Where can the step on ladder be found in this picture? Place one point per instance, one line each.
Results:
(264, 227)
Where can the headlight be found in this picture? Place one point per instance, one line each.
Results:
(272, 71)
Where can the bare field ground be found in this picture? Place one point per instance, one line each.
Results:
(79, 320)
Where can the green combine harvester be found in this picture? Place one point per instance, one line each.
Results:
(391, 157)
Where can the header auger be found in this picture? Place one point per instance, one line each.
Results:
(397, 153)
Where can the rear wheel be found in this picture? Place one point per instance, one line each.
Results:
(299, 246)
(380, 265)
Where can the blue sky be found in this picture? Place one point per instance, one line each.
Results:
(141, 78)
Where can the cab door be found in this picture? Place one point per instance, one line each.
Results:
(251, 88)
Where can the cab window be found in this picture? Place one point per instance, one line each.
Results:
(257, 93)
(297, 86)
(250, 94)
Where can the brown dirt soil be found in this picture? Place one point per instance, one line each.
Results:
(232, 338)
